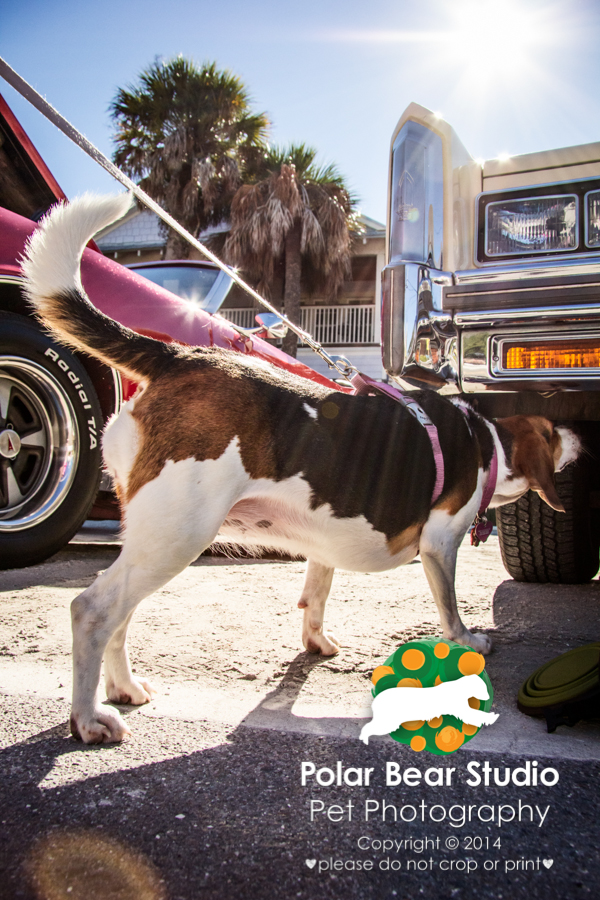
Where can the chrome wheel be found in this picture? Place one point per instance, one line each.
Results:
(39, 443)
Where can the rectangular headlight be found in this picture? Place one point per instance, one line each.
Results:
(592, 221)
(531, 225)
(567, 354)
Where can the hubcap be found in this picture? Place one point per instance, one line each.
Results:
(10, 443)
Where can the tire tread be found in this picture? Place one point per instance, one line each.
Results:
(539, 544)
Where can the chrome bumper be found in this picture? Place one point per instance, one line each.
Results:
(427, 341)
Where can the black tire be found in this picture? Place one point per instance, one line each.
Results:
(541, 545)
(50, 458)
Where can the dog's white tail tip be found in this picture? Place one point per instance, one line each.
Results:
(53, 252)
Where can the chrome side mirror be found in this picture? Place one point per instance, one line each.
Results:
(271, 326)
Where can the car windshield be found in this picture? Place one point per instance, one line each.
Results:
(192, 283)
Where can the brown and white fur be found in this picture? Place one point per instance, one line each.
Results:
(219, 443)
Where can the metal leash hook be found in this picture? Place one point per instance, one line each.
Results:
(340, 364)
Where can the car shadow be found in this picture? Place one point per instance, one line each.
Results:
(225, 815)
(533, 624)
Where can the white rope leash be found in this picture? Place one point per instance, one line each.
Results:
(42, 105)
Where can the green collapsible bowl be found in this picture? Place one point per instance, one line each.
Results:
(564, 678)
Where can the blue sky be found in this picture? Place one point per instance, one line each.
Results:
(512, 76)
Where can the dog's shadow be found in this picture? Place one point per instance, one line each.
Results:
(275, 710)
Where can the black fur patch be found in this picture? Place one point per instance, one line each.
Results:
(371, 457)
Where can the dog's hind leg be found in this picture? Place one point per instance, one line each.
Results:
(315, 592)
(121, 684)
(169, 523)
(96, 615)
(438, 548)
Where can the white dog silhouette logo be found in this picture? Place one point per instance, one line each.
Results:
(397, 705)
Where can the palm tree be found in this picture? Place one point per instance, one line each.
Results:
(188, 134)
(296, 212)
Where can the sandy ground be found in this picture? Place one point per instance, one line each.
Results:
(222, 641)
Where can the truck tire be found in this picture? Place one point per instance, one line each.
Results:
(50, 458)
(541, 545)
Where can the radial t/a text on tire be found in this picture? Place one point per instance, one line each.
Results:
(50, 457)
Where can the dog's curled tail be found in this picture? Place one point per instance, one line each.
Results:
(51, 266)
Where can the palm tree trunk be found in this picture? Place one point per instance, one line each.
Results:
(177, 247)
(291, 294)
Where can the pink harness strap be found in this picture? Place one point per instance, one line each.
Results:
(362, 384)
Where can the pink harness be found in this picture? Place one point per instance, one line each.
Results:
(482, 529)
(362, 384)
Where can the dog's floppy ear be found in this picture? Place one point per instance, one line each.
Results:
(532, 455)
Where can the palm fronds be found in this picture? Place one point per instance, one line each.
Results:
(292, 207)
(188, 134)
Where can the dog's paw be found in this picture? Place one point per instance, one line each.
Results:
(137, 692)
(102, 727)
(482, 643)
(324, 643)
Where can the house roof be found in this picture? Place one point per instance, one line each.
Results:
(140, 229)
(373, 228)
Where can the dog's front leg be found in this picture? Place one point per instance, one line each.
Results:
(438, 549)
(317, 585)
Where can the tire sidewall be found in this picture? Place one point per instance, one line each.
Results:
(23, 338)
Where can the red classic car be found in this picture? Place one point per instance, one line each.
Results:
(54, 403)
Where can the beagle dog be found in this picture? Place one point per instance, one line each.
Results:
(220, 444)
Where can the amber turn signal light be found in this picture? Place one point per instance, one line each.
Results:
(577, 354)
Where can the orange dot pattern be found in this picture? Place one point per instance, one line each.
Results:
(449, 739)
(413, 726)
(380, 672)
(413, 659)
(471, 663)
